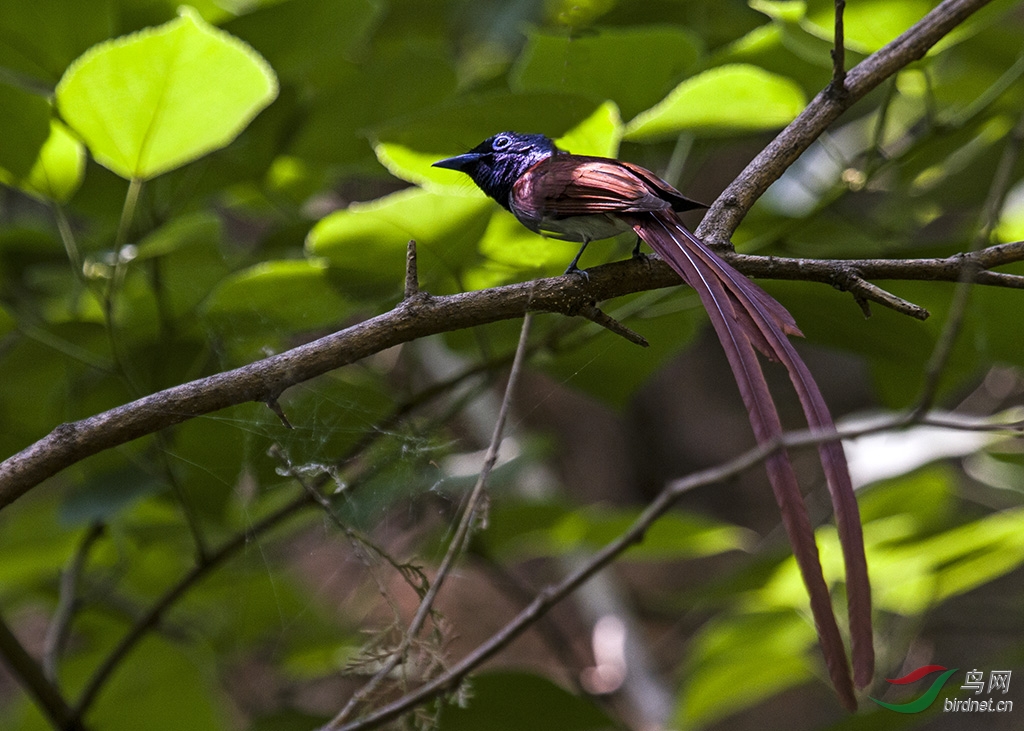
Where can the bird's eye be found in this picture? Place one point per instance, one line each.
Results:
(501, 142)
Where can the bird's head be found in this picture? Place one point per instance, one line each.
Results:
(497, 162)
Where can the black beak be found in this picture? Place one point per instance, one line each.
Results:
(459, 162)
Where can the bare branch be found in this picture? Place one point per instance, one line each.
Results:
(57, 631)
(29, 673)
(412, 277)
(839, 52)
(732, 205)
(459, 540)
(554, 593)
(609, 323)
(427, 315)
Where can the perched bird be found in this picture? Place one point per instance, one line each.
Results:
(583, 198)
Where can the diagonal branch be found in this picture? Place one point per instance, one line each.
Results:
(458, 543)
(732, 205)
(266, 379)
(634, 534)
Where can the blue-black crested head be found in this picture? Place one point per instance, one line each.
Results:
(497, 162)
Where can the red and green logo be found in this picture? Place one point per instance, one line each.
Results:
(929, 696)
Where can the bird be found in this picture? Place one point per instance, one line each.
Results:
(584, 198)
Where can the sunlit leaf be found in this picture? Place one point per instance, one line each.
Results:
(157, 99)
(598, 134)
(735, 97)
(737, 661)
(870, 24)
(524, 530)
(366, 243)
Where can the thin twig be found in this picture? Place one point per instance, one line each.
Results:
(839, 51)
(609, 323)
(732, 205)
(29, 673)
(554, 593)
(864, 291)
(998, 189)
(458, 542)
(155, 613)
(412, 277)
(274, 405)
(67, 601)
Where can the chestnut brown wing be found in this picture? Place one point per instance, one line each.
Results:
(566, 186)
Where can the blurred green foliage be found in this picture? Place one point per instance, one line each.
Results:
(188, 193)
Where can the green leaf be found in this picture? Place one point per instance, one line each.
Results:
(157, 99)
(295, 295)
(598, 134)
(737, 661)
(366, 243)
(199, 229)
(870, 24)
(48, 162)
(60, 167)
(790, 11)
(730, 98)
(161, 688)
(927, 571)
(608, 64)
(531, 529)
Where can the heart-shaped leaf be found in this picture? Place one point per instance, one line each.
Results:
(154, 100)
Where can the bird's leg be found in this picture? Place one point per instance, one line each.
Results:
(575, 260)
(637, 254)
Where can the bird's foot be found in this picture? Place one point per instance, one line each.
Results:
(573, 269)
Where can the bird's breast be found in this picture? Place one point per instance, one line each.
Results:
(592, 227)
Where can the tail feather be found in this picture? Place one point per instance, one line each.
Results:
(748, 318)
(833, 458)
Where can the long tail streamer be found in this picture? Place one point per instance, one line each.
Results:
(747, 319)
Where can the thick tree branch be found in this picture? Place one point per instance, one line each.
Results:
(425, 315)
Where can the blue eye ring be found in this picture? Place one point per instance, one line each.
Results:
(501, 142)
